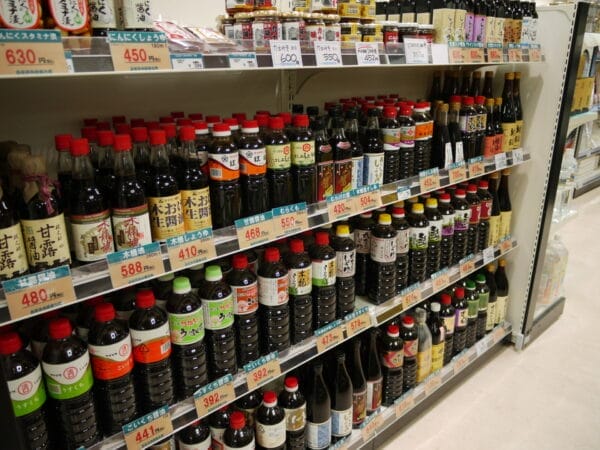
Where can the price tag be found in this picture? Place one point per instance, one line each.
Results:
(404, 404)
(456, 55)
(439, 53)
(341, 445)
(291, 219)
(506, 245)
(370, 426)
(328, 53)
(30, 52)
(367, 198)
(151, 428)
(535, 53)
(187, 61)
(488, 255)
(499, 334)
(481, 347)
(476, 167)
(429, 180)
(411, 296)
(139, 50)
(474, 53)
(440, 280)
(329, 336)
(254, 230)
(515, 53)
(416, 51)
(403, 193)
(243, 60)
(500, 160)
(467, 265)
(457, 172)
(69, 61)
(494, 53)
(357, 321)
(461, 362)
(39, 292)
(433, 383)
(340, 206)
(367, 53)
(191, 248)
(286, 53)
(129, 267)
(262, 370)
(517, 156)
(214, 395)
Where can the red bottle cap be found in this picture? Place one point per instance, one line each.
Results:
(122, 143)
(237, 420)
(170, 130)
(455, 99)
(398, 211)
(296, 246)
(301, 120)
(62, 142)
(262, 119)
(145, 299)
(140, 134)
(104, 312)
(472, 189)
(287, 117)
(445, 299)
(221, 128)
(90, 122)
(106, 138)
(122, 128)
(177, 114)
(379, 104)
(390, 112)
(460, 193)
(118, 119)
(10, 343)
(239, 261)
(240, 117)
(91, 133)
(166, 119)
(322, 238)
(137, 123)
(468, 101)
(213, 119)
(196, 116)
(250, 126)
(291, 384)
(80, 147)
(153, 125)
(460, 292)
(184, 122)
(423, 105)
(60, 328)
(103, 126)
(158, 137)
(370, 98)
(270, 398)
(405, 111)
(408, 321)
(393, 330)
(276, 123)
(271, 254)
(480, 99)
(200, 125)
(483, 184)
(187, 134)
(231, 122)
(94, 301)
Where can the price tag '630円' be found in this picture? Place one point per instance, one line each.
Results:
(31, 52)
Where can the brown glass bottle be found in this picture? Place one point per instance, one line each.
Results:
(13, 260)
(253, 170)
(303, 161)
(518, 109)
(279, 163)
(508, 114)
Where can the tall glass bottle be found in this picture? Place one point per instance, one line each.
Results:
(424, 345)
(324, 158)
(472, 298)
(441, 147)
(518, 110)
(505, 205)
(342, 156)
(373, 375)
(318, 412)
(373, 151)
(435, 92)
(359, 386)
(279, 163)
(501, 292)
(358, 165)
(13, 259)
(341, 400)
(508, 113)
(495, 214)
(304, 172)
(438, 336)
(458, 153)
(448, 316)
(492, 311)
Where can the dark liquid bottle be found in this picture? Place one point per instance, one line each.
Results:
(274, 298)
(217, 306)
(304, 171)
(411, 344)
(461, 318)
(294, 405)
(109, 345)
(496, 214)
(419, 242)
(149, 328)
(484, 295)
(324, 157)
(69, 379)
(454, 130)
(438, 337)
(373, 374)
(484, 214)
(392, 361)
(341, 400)
(238, 434)
(253, 170)
(362, 239)
(448, 316)
(103, 161)
(195, 436)
(244, 287)
(342, 155)
(482, 124)
(21, 368)
(318, 412)
(141, 154)
(462, 214)
(358, 163)
(299, 268)
(441, 151)
(359, 386)
(469, 126)
(249, 404)
(203, 142)
(186, 323)
(402, 227)
(434, 246)
(508, 113)
(423, 136)
(436, 87)
(447, 243)
(279, 164)
(492, 310)
(64, 167)
(518, 110)
(390, 130)
(13, 260)
(407, 143)
(473, 231)
(163, 288)
(472, 299)
(345, 252)
(224, 174)
(270, 424)
(219, 421)
(501, 292)
(382, 267)
(505, 205)
(323, 259)
(373, 151)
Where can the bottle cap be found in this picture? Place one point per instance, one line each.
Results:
(422, 105)
(468, 101)
(158, 137)
(144, 299)
(431, 203)
(460, 193)
(237, 420)
(393, 330)
(153, 125)
(502, 263)
(213, 273)
(187, 134)
(196, 116)
(122, 128)
(276, 123)
(221, 129)
(435, 307)
(322, 238)
(297, 246)
(140, 134)
(184, 123)
(118, 120)
(166, 119)
(455, 99)
(170, 130)
(167, 277)
(480, 278)
(262, 119)
(408, 321)
(459, 292)
(103, 126)
(239, 261)
(445, 197)
(470, 285)
(106, 138)
(138, 123)
(343, 231)
(177, 114)
(60, 328)
(301, 120)
(250, 126)
(405, 110)
(91, 133)
(10, 343)
(417, 208)
(390, 112)
(232, 122)
(271, 255)
(385, 219)
(80, 147)
(269, 399)
(366, 215)
(122, 143)
(181, 285)
(291, 384)
(480, 99)
(239, 116)
(445, 299)
(212, 119)
(286, 117)
(472, 189)
(397, 211)
(104, 312)
(62, 142)
(509, 76)
(483, 184)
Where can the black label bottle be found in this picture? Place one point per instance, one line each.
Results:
(23, 374)
(13, 259)
(501, 292)
(402, 228)
(496, 214)
(358, 163)
(342, 155)
(273, 297)
(490, 140)
(447, 243)
(219, 421)
(390, 130)
(472, 298)
(324, 271)
(485, 212)
(438, 336)
(505, 205)
(434, 245)
(304, 172)
(324, 158)
(462, 215)
(492, 310)
(374, 155)
(69, 379)
(411, 349)
(217, 306)
(109, 345)
(473, 231)
(279, 163)
(244, 287)
(359, 386)
(318, 412)
(423, 136)
(270, 424)
(150, 337)
(186, 322)
(294, 405)
(484, 296)
(238, 434)
(424, 347)
(407, 142)
(448, 315)
(299, 267)
(373, 375)
(195, 437)
(345, 253)
(253, 170)
(461, 319)
(382, 268)
(392, 362)
(419, 241)
(341, 400)
(362, 240)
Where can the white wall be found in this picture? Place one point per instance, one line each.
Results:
(190, 12)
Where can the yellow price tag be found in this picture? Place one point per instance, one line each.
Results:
(262, 370)
(31, 52)
(329, 336)
(467, 265)
(254, 230)
(129, 267)
(214, 395)
(133, 51)
(288, 220)
(191, 248)
(476, 167)
(357, 321)
(429, 180)
(149, 429)
(341, 206)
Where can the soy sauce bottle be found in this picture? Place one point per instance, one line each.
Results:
(219, 421)
(438, 335)
(13, 260)
(484, 214)
(341, 400)
(402, 227)
(382, 266)
(238, 434)
(342, 155)
(359, 386)
(279, 163)
(141, 154)
(345, 252)
(324, 270)
(462, 215)
(270, 424)
(373, 374)
(358, 165)
(473, 230)
(419, 244)
(294, 405)
(434, 245)
(461, 318)
(472, 299)
(195, 436)
(304, 173)
(248, 405)
(390, 130)
(318, 412)
(324, 158)
(447, 243)
(362, 239)
(484, 295)
(411, 345)
(299, 268)
(448, 316)
(253, 170)
(392, 361)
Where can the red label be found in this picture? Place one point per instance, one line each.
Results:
(359, 407)
(343, 176)
(393, 360)
(325, 178)
(245, 299)
(411, 348)
(475, 209)
(110, 362)
(489, 146)
(499, 143)
(486, 209)
(423, 130)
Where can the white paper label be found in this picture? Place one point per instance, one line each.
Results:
(346, 263)
(383, 250)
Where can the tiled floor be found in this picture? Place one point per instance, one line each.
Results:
(545, 397)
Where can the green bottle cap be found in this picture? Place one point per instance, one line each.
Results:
(181, 285)
(480, 278)
(469, 284)
(213, 273)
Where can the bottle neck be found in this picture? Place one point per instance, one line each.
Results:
(372, 123)
(159, 157)
(82, 168)
(65, 162)
(442, 120)
(124, 165)
(508, 89)
(188, 152)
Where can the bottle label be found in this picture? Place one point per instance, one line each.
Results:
(224, 166)
(166, 216)
(460, 153)
(484, 298)
(323, 272)
(449, 323)
(407, 133)
(343, 176)
(279, 156)
(418, 238)
(131, 227)
(69, 380)
(362, 239)
(245, 299)
(435, 230)
(374, 391)
(136, 14)
(411, 348)
(479, 28)
(200, 446)
(318, 435)
(103, 14)
(23, 15)
(13, 260)
(250, 446)
(494, 230)
(71, 16)
(27, 393)
(92, 236)
(423, 364)
(447, 224)
(460, 17)
(437, 356)
(295, 419)
(253, 161)
(270, 436)
(505, 218)
(402, 241)
(341, 422)
(423, 130)
(461, 219)
(492, 312)
(111, 361)
(346, 263)
(273, 291)
(489, 146)
(393, 359)
(469, 27)
(473, 307)
(461, 318)
(482, 122)
(187, 328)
(359, 407)
(509, 133)
(303, 153)
(499, 29)
(217, 438)
(300, 281)
(196, 209)
(373, 170)
(475, 210)
(485, 210)
(501, 306)
(391, 138)
(325, 180)
(46, 241)
(218, 314)
(358, 174)
(151, 346)
(383, 250)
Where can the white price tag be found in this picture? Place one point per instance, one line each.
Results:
(403, 193)
(328, 53)
(439, 53)
(243, 60)
(286, 53)
(416, 51)
(187, 61)
(517, 156)
(69, 59)
(367, 53)
(500, 160)
(488, 255)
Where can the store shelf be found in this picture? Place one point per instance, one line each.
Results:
(559, 223)
(184, 412)
(587, 154)
(387, 417)
(586, 186)
(578, 120)
(93, 279)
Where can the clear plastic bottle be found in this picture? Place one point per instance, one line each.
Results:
(382, 274)
(484, 214)
(294, 405)
(402, 227)
(424, 347)
(362, 239)
(461, 317)
(304, 173)
(434, 243)
(448, 315)
(438, 336)
(299, 268)
(195, 437)
(392, 362)
(345, 252)
(373, 151)
(447, 244)
(218, 422)
(279, 163)
(270, 424)
(419, 243)
(324, 270)
(390, 130)
(238, 435)
(253, 170)
(411, 349)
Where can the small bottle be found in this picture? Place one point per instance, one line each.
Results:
(501, 292)
(495, 214)
(358, 163)
(341, 400)
(447, 243)
(424, 346)
(238, 434)
(484, 214)
(270, 424)
(381, 284)
(279, 163)
(419, 242)
(411, 350)
(392, 361)
(362, 239)
(359, 386)
(469, 125)
(390, 130)
(484, 297)
(299, 268)
(505, 205)
(402, 227)
(253, 170)
(448, 315)
(318, 412)
(438, 336)
(345, 251)
(462, 215)
(294, 405)
(324, 270)
(304, 173)
(434, 241)
(194, 437)
(373, 375)
(103, 161)
(218, 422)
(423, 136)
(461, 318)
